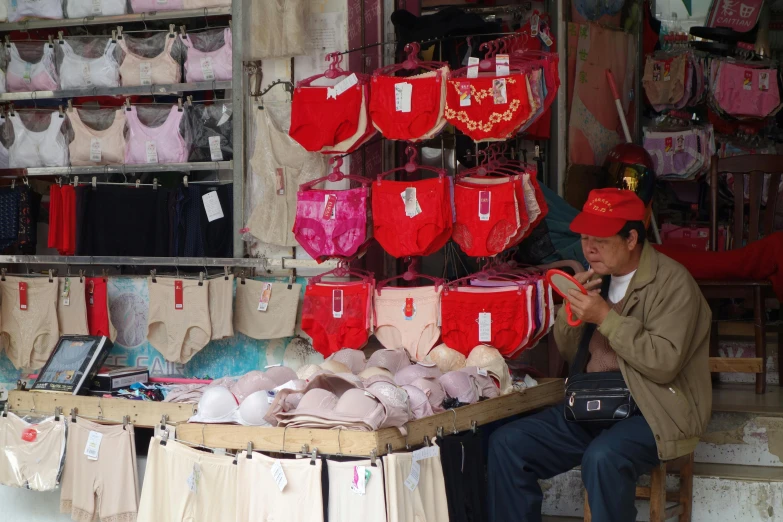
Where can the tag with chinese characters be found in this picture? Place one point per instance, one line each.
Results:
(330, 202)
(152, 151)
(667, 71)
(473, 67)
(93, 445)
(763, 81)
(413, 477)
(411, 203)
(178, 299)
(96, 154)
(97, 7)
(679, 143)
(87, 73)
(67, 292)
(426, 452)
(207, 69)
(534, 21)
(266, 295)
(499, 91)
(361, 475)
(747, 83)
(546, 37)
(337, 303)
(402, 96)
(215, 152)
(145, 73)
(668, 145)
(212, 206)
(408, 310)
(194, 478)
(23, 296)
(337, 90)
(485, 199)
(501, 65)
(464, 94)
(28, 72)
(485, 327)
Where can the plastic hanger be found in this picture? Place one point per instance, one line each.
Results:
(412, 166)
(410, 274)
(411, 62)
(344, 270)
(335, 176)
(334, 71)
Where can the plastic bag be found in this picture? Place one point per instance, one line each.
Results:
(98, 137)
(150, 61)
(157, 134)
(40, 139)
(90, 62)
(22, 9)
(33, 451)
(208, 55)
(211, 132)
(85, 8)
(31, 67)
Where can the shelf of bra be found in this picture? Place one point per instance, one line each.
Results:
(358, 443)
(119, 19)
(279, 263)
(119, 169)
(142, 90)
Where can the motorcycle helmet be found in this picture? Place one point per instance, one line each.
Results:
(631, 168)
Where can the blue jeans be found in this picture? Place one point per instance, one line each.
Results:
(545, 444)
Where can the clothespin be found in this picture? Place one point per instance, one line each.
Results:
(189, 100)
(138, 183)
(75, 181)
(164, 438)
(201, 279)
(127, 104)
(119, 32)
(249, 450)
(185, 181)
(11, 110)
(474, 427)
(125, 421)
(5, 409)
(73, 415)
(70, 106)
(154, 273)
(389, 450)
(60, 37)
(51, 275)
(114, 35)
(182, 31)
(225, 271)
(60, 111)
(51, 41)
(95, 182)
(163, 420)
(427, 441)
(172, 30)
(57, 412)
(242, 277)
(3, 272)
(374, 458)
(155, 184)
(179, 104)
(314, 457)
(8, 40)
(292, 280)
(81, 276)
(13, 183)
(439, 432)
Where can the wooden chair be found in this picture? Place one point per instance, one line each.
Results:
(658, 496)
(760, 224)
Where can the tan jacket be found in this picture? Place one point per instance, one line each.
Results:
(662, 341)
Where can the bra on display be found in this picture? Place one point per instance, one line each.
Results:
(24, 76)
(97, 147)
(138, 70)
(21, 9)
(163, 144)
(79, 71)
(203, 66)
(84, 8)
(211, 128)
(3, 150)
(32, 149)
(198, 4)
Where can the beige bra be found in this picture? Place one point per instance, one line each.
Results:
(138, 70)
(97, 147)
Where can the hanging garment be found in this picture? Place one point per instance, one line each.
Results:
(21, 9)
(285, 24)
(24, 76)
(32, 451)
(9, 217)
(38, 149)
(29, 334)
(202, 66)
(163, 144)
(138, 70)
(85, 8)
(97, 147)
(198, 4)
(78, 71)
(211, 132)
(29, 207)
(279, 165)
(3, 11)
(4, 159)
(151, 6)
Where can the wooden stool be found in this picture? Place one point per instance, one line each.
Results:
(658, 496)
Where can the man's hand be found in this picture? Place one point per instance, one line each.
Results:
(590, 308)
(584, 279)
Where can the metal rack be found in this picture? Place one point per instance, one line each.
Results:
(281, 263)
(119, 19)
(143, 90)
(119, 169)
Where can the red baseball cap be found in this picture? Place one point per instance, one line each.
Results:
(607, 211)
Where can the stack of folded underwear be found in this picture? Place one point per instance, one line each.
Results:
(743, 90)
(680, 153)
(675, 79)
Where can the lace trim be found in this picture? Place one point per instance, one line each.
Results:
(130, 516)
(65, 506)
(80, 515)
(484, 126)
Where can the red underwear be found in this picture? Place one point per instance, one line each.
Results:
(420, 235)
(507, 318)
(485, 237)
(97, 306)
(424, 107)
(318, 122)
(519, 191)
(335, 316)
(484, 119)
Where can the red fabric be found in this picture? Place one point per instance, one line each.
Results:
(97, 306)
(484, 119)
(523, 218)
(479, 238)
(460, 311)
(68, 228)
(421, 235)
(760, 260)
(55, 218)
(331, 334)
(318, 122)
(369, 130)
(540, 199)
(425, 106)
(607, 211)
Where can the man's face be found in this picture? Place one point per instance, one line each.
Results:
(606, 255)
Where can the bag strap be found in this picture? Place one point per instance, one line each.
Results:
(580, 361)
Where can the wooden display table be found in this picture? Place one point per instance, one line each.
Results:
(366, 443)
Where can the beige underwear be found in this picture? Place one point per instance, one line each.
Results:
(29, 336)
(346, 505)
(427, 502)
(178, 333)
(72, 308)
(32, 454)
(221, 307)
(109, 485)
(278, 321)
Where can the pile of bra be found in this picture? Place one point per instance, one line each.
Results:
(53, 9)
(115, 63)
(680, 153)
(675, 79)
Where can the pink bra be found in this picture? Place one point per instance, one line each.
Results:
(138, 70)
(203, 66)
(24, 76)
(162, 144)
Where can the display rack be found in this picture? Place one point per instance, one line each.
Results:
(144, 414)
(280, 263)
(140, 90)
(358, 443)
(119, 169)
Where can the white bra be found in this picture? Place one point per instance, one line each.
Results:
(84, 8)
(77, 71)
(38, 149)
(19, 9)
(3, 150)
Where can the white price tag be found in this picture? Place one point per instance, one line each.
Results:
(337, 90)
(270, 399)
(402, 96)
(214, 148)
(413, 478)
(337, 303)
(194, 478)
(485, 327)
(481, 371)
(28, 72)
(93, 445)
(411, 203)
(426, 453)
(97, 7)
(546, 38)
(212, 206)
(278, 475)
(485, 204)
(534, 22)
(763, 81)
(87, 73)
(152, 152)
(502, 65)
(207, 68)
(95, 149)
(266, 295)
(473, 67)
(145, 73)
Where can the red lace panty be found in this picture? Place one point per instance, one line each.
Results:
(335, 316)
(424, 107)
(485, 237)
(507, 309)
(421, 235)
(318, 122)
(519, 191)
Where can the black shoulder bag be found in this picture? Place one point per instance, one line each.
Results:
(599, 396)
